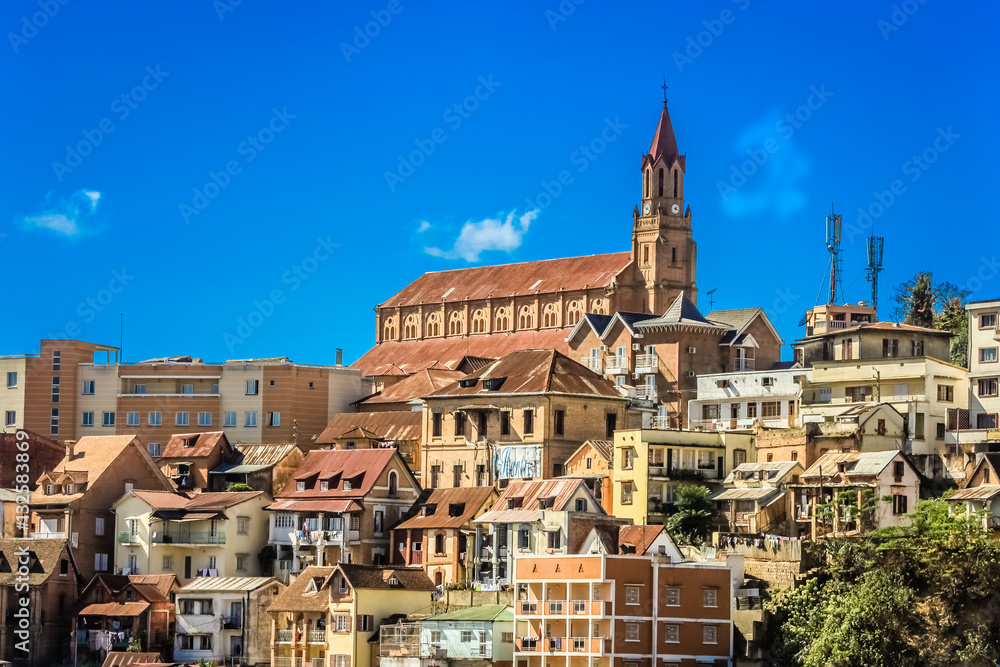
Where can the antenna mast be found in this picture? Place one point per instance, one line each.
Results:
(874, 266)
(833, 245)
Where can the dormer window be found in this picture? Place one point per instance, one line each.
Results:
(69, 489)
(300, 486)
(324, 486)
(428, 510)
(393, 581)
(189, 442)
(456, 509)
(545, 503)
(467, 382)
(50, 490)
(514, 503)
(842, 466)
(493, 384)
(347, 485)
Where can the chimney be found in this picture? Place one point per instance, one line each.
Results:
(70, 445)
(340, 357)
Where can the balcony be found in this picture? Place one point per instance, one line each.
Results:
(191, 538)
(46, 536)
(598, 645)
(125, 537)
(528, 608)
(527, 644)
(646, 363)
(661, 422)
(595, 364)
(646, 392)
(617, 364)
(743, 365)
(283, 636)
(589, 607)
(316, 637)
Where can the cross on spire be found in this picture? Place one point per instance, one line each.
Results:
(664, 91)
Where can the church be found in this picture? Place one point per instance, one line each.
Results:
(446, 317)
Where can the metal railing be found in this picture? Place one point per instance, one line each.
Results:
(125, 537)
(191, 538)
(616, 363)
(595, 364)
(743, 364)
(646, 392)
(662, 422)
(646, 361)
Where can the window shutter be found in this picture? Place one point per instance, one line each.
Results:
(348, 620)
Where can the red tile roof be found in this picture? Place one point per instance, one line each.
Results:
(390, 425)
(413, 355)
(540, 277)
(361, 466)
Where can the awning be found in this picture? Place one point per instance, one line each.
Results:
(237, 469)
(115, 609)
(180, 517)
(745, 494)
(333, 505)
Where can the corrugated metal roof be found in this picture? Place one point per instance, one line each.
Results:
(490, 612)
(416, 386)
(983, 492)
(361, 467)
(471, 499)
(226, 584)
(315, 506)
(529, 492)
(858, 463)
(390, 425)
(746, 494)
(114, 609)
(202, 444)
(264, 455)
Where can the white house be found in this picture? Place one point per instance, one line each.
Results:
(462, 638)
(747, 399)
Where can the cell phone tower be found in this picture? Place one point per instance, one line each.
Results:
(833, 224)
(875, 244)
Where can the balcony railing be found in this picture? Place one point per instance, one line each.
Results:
(646, 361)
(530, 608)
(191, 538)
(662, 422)
(126, 537)
(646, 392)
(283, 636)
(595, 364)
(47, 536)
(743, 364)
(616, 364)
(527, 644)
(317, 636)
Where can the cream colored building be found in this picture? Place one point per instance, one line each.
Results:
(207, 534)
(984, 367)
(651, 465)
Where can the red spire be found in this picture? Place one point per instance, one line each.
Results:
(664, 142)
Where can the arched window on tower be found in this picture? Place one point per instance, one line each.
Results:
(434, 324)
(389, 330)
(525, 318)
(645, 184)
(550, 315)
(661, 183)
(455, 325)
(645, 254)
(410, 327)
(675, 182)
(479, 321)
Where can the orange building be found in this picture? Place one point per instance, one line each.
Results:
(606, 610)
(591, 462)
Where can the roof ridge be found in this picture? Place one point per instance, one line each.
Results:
(527, 261)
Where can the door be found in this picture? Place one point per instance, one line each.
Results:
(187, 567)
(235, 646)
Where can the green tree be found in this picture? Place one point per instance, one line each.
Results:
(239, 486)
(916, 300)
(955, 319)
(694, 515)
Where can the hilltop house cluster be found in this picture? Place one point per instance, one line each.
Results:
(490, 483)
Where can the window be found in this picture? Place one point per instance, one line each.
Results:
(132, 418)
(11, 379)
(187, 389)
(673, 597)
(554, 539)
(88, 387)
(770, 409)
(631, 632)
(751, 410)
(847, 349)
(155, 418)
(435, 476)
(100, 562)
(154, 449)
(168, 563)
(284, 520)
(610, 424)
(54, 424)
(939, 434)
(559, 422)
(672, 633)
(626, 493)
(341, 622)
(99, 526)
(858, 394)
(300, 486)
(631, 595)
(899, 504)
(187, 641)
(436, 420)
(439, 544)
(917, 348)
(504, 422)
(710, 634)
(918, 430)
(890, 348)
(987, 387)
(252, 387)
(139, 389)
(711, 598)
(946, 393)
(522, 538)
(482, 419)
(987, 355)
(204, 419)
(250, 419)
(205, 643)
(366, 622)
(129, 486)
(88, 419)
(705, 461)
(229, 419)
(581, 504)
(10, 418)
(988, 321)
(710, 411)
(182, 419)
(459, 424)
(56, 359)
(986, 421)
(274, 419)
(242, 525)
(378, 521)
(211, 566)
(242, 562)
(435, 636)
(590, 463)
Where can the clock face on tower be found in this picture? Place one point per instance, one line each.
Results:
(675, 209)
(645, 209)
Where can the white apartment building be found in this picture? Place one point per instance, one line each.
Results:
(984, 365)
(745, 400)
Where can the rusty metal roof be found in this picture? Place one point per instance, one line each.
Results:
(526, 493)
(982, 492)
(264, 455)
(540, 277)
(114, 609)
(534, 372)
(471, 499)
(390, 425)
(640, 537)
(336, 466)
(858, 463)
(202, 444)
(416, 386)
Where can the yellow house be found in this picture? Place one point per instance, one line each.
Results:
(650, 465)
(327, 615)
(207, 534)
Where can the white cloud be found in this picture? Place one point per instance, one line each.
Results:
(424, 226)
(489, 234)
(73, 216)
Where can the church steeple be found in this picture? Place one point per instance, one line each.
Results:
(664, 142)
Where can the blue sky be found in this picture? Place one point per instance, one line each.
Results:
(188, 164)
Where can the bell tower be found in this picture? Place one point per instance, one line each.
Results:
(663, 248)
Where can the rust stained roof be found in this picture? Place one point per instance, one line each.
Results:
(472, 498)
(203, 445)
(297, 598)
(640, 537)
(337, 506)
(164, 500)
(982, 492)
(412, 355)
(416, 386)
(498, 281)
(264, 455)
(536, 372)
(122, 658)
(361, 466)
(114, 609)
(392, 425)
(529, 491)
(377, 577)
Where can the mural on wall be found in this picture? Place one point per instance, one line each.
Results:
(517, 461)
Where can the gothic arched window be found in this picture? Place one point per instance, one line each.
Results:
(645, 184)
(389, 330)
(410, 327)
(434, 324)
(675, 182)
(573, 313)
(661, 183)
(550, 315)
(525, 318)
(501, 319)
(479, 321)
(455, 325)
